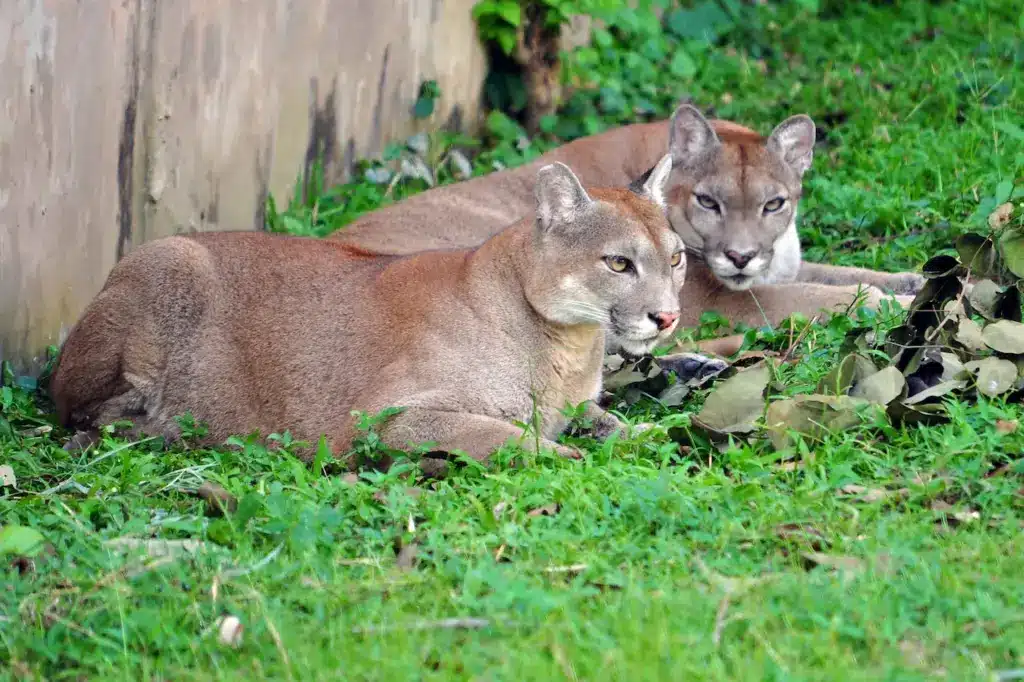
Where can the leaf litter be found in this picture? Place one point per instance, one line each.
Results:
(962, 338)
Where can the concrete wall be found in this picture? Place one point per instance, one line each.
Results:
(126, 120)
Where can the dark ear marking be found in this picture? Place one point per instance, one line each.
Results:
(637, 186)
(654, 182)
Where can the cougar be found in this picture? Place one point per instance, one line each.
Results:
(732, 196)
(253, 331)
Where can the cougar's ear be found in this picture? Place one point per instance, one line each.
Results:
(651, 185)
(690, 135)
(560, 196)
(793, 140)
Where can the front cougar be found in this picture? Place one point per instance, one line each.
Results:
(252, 331)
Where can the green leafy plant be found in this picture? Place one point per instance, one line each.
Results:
(426, 100)
(529, 33)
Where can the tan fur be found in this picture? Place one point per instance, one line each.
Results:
(251, 331)
(744, 167)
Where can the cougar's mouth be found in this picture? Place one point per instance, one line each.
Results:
(628, 343)
(739, 282)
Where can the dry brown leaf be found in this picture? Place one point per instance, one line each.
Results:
(1006, 427)
(799, 532)
(847, 564)
(968, 334)
(953, 516)
(966, 516)
(812, 415)
(736, 403)
(155, 548)
(914, 653)
(412, 491)
(350, 478)
(1004, 336)
(864, 494)
(406, 560)
(1009, 467)
(218, 500)
(546, 510)
(1000, 216)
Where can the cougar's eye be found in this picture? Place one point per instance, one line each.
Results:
(773, 205)
(677, 258)
(707, 202)
(618, 263)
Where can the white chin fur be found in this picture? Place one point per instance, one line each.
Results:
(630, 347)
(637, 347)
(734, 283)
(739, 280)
(782, 268)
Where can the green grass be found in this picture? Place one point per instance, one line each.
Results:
(655, 562)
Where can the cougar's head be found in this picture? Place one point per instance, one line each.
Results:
(607, 257)
(733, 195)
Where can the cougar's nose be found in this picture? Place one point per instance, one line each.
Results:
(663, 320)
(740, 260)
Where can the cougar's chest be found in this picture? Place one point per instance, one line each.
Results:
(570, 370)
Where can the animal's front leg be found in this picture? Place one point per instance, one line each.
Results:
(772, 303)
(476, 435)
(689, 366)
(896, 282)
(602, 424)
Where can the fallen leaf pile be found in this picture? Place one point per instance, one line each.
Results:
(963, 337)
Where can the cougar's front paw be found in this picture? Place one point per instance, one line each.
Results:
(603, 426)
(688, 366)
(82, 440)
(908, 283)
(567, 452)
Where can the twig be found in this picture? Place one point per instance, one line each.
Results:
(799, 338)
(928, 338)
(181, 473)
(276, 636)
(761, 309)
(239, 572)
(720, 620)
(70, 482)
(391, 185)
(572, 568)
(360, 561)
(763, 641)
(445, 624)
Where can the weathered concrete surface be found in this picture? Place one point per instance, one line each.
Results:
(63, 79)
(126, 120)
